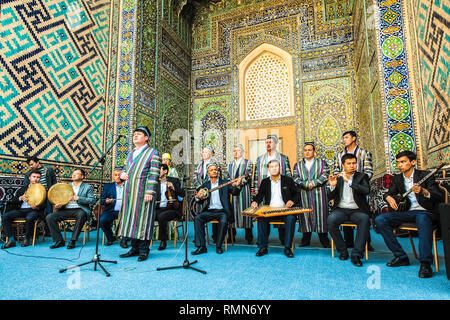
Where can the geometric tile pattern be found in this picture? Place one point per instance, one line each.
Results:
(400, 122)
(432, 19)
(53, 67)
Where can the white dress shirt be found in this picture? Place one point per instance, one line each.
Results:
(214, 202)
(74, 204)
(276, 199)
(119, 191)
(309, 164)
(163, 203)
(347, 200)
(409, 182)
(137, 151)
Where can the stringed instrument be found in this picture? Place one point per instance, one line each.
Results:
(172, 199)
(268, 211)
(403, 201)
(204, 192)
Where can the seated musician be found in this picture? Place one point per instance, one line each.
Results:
(423, 210)
(167, 210)
(278, 191)
(349, 190)
(111, 198)
(21, 209)
(78, 208)
(217, 207)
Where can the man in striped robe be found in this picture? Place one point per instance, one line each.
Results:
(363, 165)
(311, 174)
(137, 213)
(240, 167)
(261, 169)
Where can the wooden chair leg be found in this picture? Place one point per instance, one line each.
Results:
(412, 244)
(436, 263)
(34, 232)
(367, 250)
(175, 234)
(332, 248)
(84, 234)
(226, 240)
(103, 239)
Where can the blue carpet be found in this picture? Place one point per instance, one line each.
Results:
(33, 273)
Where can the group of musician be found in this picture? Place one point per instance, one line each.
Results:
(149, 190)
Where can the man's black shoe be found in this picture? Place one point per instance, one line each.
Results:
(25, 242)
(58, 244)
(199, 250)
(343, 255)
(356, 261)
(288, 253)
(71, 244)
(425, 270)
(219, 250)
(9, 244)
(162, 245)
(131, 253)
(123, 244)
(142, 257)
(398, 262)
(261, 252)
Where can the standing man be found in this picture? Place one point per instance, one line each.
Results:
(363, 165)
(167, 209)
(349, 192)
(262, 169)
(79, 208)
(167, 159)
(137, 213)
(48, 177)
(311, 174)
(111, 198)
(200, 172)
(21, 209)
(423, 211)
(277, 191)
(240, 167)
(217, 207)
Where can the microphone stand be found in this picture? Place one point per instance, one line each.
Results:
(186, 263)
(96, 259)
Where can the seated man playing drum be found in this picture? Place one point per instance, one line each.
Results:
(25, 205)
(77, 207)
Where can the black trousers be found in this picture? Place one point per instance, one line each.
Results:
(30, 216)
(163, 216)
(140, 246)
(361, 219)
(52, 219)
(286, 234)
(202, 219)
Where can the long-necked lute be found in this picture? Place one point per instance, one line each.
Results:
(403, 201)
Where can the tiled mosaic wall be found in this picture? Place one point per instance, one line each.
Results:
(429, 32)
(57, 98)
(316, 34)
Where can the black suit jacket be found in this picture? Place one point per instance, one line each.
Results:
(289, 191)
(15, 202)
(179, 191)
(436, 195)
(224, 194)
(360, 188)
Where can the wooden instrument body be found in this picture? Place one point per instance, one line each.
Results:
(60, 193)
(36, 194)
(172, 200)
(403, 203)
(268, 212)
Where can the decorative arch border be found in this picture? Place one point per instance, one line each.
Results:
(247, 62)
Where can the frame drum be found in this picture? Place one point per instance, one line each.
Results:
(60, 193)
(36, 194)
